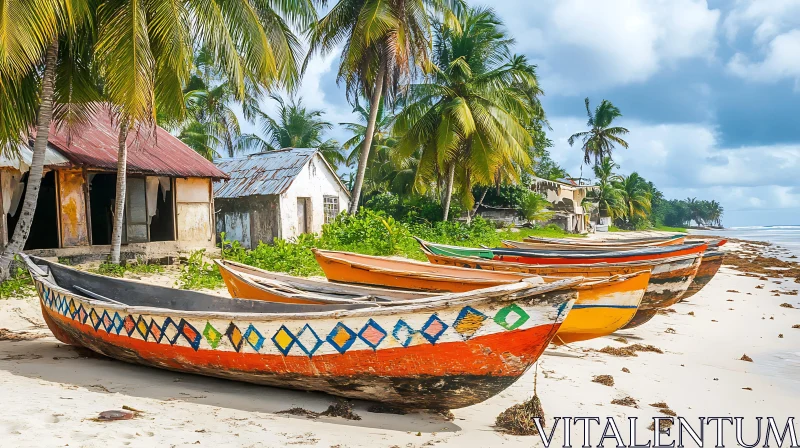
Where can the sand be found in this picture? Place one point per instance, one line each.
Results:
(51, 392)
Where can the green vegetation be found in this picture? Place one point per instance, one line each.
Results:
(198, 273)
(140, 267)
(17, 285)
(670, 229)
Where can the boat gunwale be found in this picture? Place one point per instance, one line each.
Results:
(502, 293)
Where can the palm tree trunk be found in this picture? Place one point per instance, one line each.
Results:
(355, 195)
(122, 185)
(474, 211)
(448, 192)
(43, 119)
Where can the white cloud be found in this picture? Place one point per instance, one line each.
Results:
(766, 18)
(586, 44)
(781, 61)
(687, 160)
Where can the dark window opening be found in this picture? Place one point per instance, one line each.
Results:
(102, 195)
(44, 229)
(162, 224)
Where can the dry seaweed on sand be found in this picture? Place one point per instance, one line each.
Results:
(343, 409)
(746, 358)
(780, 335)
(759, 264)
(519, 419)
(627, 401)
(300, 412)
(665, 311)
(381, 408)
(16, 336)
(605, 380)
(621, 340)
(690, 313)
(732, 290)
(625, 369)
(663, 426)
(786, 305)
(670, 330)
(797, 326)
(645, 348)
(629, 350)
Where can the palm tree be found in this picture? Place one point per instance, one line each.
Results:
(635, 195)
(715, 212)
(295, 127)
(695, 210)
(383, 41)
(470, 118)
(600, 139)
(606, 194)
(144, 53)
(45, 76)
(382, 136)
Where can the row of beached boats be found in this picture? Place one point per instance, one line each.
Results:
(445, 334)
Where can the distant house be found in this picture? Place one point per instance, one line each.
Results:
(168, 201)
(566, 197)
(277, 194)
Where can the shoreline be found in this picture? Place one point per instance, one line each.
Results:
(56, 390)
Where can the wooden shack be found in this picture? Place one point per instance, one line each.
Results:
(169, 191)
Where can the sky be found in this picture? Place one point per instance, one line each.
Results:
(709, 89)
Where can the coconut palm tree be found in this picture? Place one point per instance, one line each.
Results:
(295, 127)
(606, 195)
(469, 119)
(635, 195)
(383, 42)
(45, 77)
(382, 136)
(601, 138)
(144, 53)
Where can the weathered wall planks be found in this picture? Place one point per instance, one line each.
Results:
(74, 231)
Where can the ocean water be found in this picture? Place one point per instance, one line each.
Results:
(787, 237)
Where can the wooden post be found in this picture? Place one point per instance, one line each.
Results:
(88, 202)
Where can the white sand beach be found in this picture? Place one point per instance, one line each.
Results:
(52, 392)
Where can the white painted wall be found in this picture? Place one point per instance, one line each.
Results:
(314, 181)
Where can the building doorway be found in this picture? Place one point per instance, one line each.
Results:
(303, 214)
(44, 229)
(102, 195)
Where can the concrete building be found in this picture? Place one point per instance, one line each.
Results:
(566, 197)
(168, 202)
(277, 194)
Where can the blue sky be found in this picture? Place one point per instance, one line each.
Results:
(710, 91)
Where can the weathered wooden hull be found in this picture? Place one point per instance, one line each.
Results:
(637, 242)
(709, 266)
(446, 353)
(669, 278)
(602, 308)
(579, 245)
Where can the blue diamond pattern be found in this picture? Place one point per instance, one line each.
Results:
(403, 333)
(192, 336)
(169, 324)
(316, 341)
(251, 330)
(433, 335)
(372, 325)
(468, 311)
(336, 330)
(146, 331)
(284, 350)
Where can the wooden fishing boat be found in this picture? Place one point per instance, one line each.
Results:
(712, 261)
(604, 304)
(554, 257)
(610, 246)
(633, 242)
(669, 277)
(450, 351)
(248, 282)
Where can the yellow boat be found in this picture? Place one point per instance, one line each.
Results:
(605, 304)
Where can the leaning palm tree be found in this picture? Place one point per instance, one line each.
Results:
(144, 53)
(383, 43)
(635, 194)
(295, 127)
(45, 77)
(469, 119)
(600, 139)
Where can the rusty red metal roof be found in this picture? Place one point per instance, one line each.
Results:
(150, 151)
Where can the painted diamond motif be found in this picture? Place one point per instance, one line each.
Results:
(403, 333)
(308, 341)
(108, 323)
(341, 337)
(190, 333)
(254, 338)
(72, 308)
(129, 324)
(212, 335)
(372, 334)
(433, 329)
(235, 336)
(468, 322)
(141, 327)
(155, 331)
(95, 319)
(117, 320)
(169, 331)
(283, 339)
(81, 315)
(517, 317)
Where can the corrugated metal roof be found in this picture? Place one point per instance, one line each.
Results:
(149, 152)
(22, 160)
(264, 173)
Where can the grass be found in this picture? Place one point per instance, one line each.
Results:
(18, 285)
(670, 229)
(369, 232)
(141, 267)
